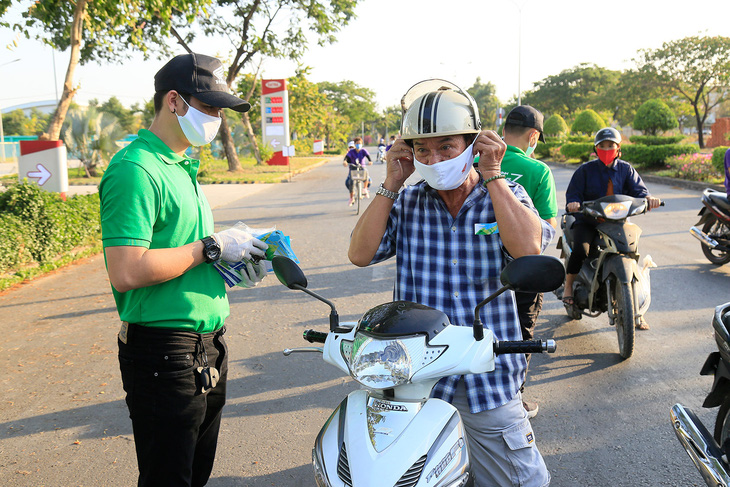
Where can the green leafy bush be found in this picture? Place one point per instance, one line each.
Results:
(580, 138)
(587, 122)
(656, 139)
(654, 117)
(654, 155)
(577, 150)
(718, 158)
(543, 148)
(37, 226)
(555, 126)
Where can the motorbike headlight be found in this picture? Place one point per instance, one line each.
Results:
(320, 477)
(382, 363)
(617, 210)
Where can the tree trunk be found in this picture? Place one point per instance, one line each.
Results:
(234, 165)
(700, 126)
(56, 123)
(252, 137)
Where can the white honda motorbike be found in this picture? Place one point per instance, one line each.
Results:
(391, 433)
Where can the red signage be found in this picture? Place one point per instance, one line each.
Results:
(273, 86)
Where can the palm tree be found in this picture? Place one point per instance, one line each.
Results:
(90, 136)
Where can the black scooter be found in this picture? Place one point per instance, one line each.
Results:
(610, 279)
(710, 452)
(715, 227)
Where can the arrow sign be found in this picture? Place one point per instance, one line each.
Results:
(275, 142)
(42, 174)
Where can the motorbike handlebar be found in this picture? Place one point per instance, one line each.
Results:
(315, 336)
(524, 346)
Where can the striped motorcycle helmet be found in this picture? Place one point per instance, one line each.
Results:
(436, 108)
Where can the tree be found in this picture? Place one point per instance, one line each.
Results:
(587, 122)
(90, 135)
(571, 90)
(356, 104)
(270, 28)
(555, 126)
(487, 101)
(126, 118)
(696, 68)
(654, 117)
(98, 31)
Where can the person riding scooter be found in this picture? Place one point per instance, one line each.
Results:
(600, 177)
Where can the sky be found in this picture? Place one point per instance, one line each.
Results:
(393, 44)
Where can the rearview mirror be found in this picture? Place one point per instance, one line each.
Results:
(533, 274)
(288, 272)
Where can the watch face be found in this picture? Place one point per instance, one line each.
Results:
(212, 249)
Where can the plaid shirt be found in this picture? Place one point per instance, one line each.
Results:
(441, 263)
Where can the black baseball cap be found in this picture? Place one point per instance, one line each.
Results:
(201, 76)
(526, 116)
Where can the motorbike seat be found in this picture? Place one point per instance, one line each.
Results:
(720, 200)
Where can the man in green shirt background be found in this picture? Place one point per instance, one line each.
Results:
(522, 131)
(157, 232)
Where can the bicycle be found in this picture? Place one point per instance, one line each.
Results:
(358, 177)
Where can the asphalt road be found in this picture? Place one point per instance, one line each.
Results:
(602, 421)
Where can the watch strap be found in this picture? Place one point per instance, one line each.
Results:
(208, 243)
(387, 193)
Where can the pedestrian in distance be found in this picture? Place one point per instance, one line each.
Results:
(426, 227)
(523, 128)
(606, 175)
(159, 246)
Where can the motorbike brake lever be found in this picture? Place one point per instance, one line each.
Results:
(289, 351)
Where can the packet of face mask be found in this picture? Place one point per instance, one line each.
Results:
(278, 244)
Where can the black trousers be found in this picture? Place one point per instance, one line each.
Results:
(175, 424)
(528, 309)
(583, 235)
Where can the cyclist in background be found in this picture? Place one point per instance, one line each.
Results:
(356, 157)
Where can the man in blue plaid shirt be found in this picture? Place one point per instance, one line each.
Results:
(452, 234)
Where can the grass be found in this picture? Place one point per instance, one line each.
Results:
(216, 171)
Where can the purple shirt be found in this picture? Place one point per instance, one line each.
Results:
(355, 157)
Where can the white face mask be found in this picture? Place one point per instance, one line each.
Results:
(199, 128)
(447, 175)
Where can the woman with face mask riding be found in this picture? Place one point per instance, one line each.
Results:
(606, 175)
(450, 234)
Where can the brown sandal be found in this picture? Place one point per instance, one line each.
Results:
(569, 301)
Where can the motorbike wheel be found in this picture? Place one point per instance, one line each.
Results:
(722, 423)
(622, 304)
(713, 227)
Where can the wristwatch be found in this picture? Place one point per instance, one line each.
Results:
(211, 250)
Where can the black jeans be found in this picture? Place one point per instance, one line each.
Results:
(175, 424)
(528, 309)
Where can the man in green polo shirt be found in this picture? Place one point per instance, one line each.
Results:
(522, 130)
(157, 231)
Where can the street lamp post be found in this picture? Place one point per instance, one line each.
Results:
(519, 50)
(2, 134)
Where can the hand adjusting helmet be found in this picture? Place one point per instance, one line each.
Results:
(437, 108)
(609, 133)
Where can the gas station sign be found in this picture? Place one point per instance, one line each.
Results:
(275, 119)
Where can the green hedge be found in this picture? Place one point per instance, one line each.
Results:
(543, 148)
(718, 158)
(580, 138)
(577, 150)
(37, 227)
(654, 155)
(656, 139)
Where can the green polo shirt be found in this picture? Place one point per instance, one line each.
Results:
(535, 176)
(150, 198)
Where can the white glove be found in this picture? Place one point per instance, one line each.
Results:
(237, 245)
(252, 274)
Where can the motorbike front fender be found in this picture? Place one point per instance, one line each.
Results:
(623, 268)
